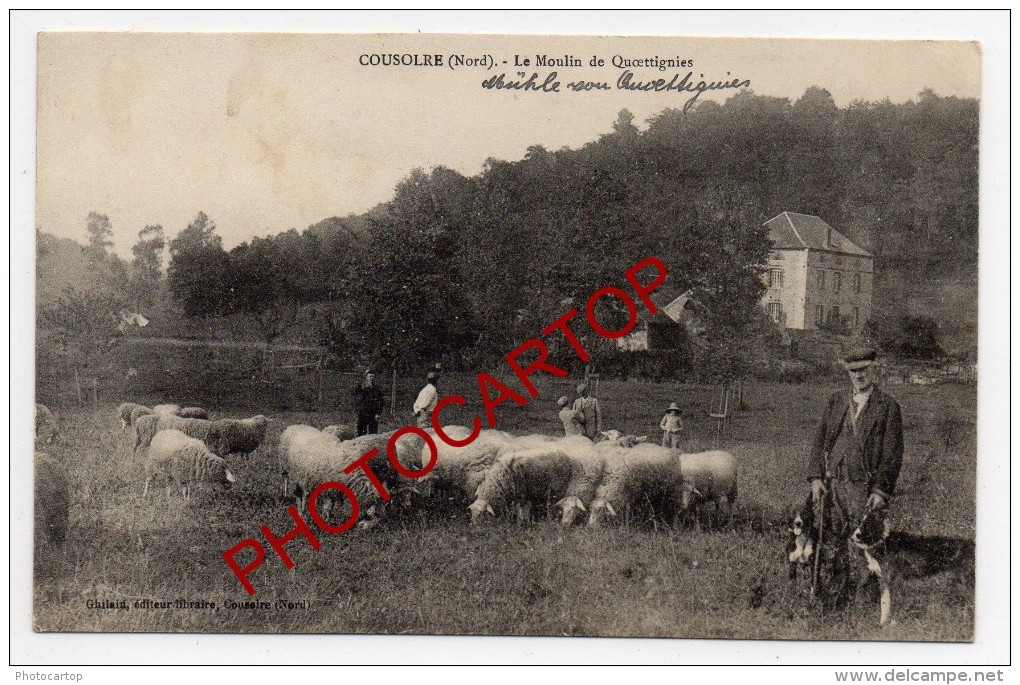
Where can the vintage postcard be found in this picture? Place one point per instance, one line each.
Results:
(490, 335)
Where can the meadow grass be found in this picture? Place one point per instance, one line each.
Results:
(430, 572)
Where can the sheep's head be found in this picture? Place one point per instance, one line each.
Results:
(571, 505)
(601, 509)
(228, 479)
(691, 497)
(428, 485)
(479, 508)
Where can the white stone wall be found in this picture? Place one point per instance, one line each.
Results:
(791, 295)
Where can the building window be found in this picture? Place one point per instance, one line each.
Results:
(837, 279)
(820, 278)
(857, 317)
(857, 283)
(775, 278)
(839, 261)
(775, 311)
(819, 315)
(834, 315)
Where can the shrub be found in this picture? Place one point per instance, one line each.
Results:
(910, 336)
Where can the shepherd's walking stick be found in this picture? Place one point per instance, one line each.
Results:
(816, 571)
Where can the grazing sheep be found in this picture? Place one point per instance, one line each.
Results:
(589, 466)
(712, 477)
(138, 412)
(460, 470)
(410, 450)
(237, 436)
(52, 499)
(523, 479)
(309, 458)
(184, 460)
(148, 425)
(169, 409)
(125, 411)
(193, 413)
(526, 442)
(641, 480)
(290, 436)
(45, 425)
(340, 431)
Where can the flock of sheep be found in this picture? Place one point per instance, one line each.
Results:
(496, 474)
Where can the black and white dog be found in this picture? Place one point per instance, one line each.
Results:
(869, 539)
(802, 539)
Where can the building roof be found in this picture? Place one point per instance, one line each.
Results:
(791, 230)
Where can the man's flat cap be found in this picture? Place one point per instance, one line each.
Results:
(859, 358)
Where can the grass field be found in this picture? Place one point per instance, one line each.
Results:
(431, 572)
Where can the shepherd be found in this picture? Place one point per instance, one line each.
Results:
(853, 467)
(369, 401)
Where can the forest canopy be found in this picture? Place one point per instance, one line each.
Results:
(465, 268)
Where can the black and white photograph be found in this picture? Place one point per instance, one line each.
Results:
(535, 336)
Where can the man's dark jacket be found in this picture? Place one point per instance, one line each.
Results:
(879, 432)
(369, 401)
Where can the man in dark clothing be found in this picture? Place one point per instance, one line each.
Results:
(855, 460)
(370, 404)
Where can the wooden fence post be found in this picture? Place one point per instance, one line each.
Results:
(393, 392)
(77, 387)
(318, 378)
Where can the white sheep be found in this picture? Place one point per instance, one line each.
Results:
(526, 442)
(168, 409)
(283, 447)
(193, 413)
(460, 470)
(644, 478)
(148, 425)
(711, 477)
(45, 425)
(589, 466)
(52, 499)
(223, 436)
(124, 411)
(184, 460)
(137, 412)
(237, 436)
(309, 458)
(523, 479)
(340, 431)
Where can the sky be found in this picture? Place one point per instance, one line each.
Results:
(267, 132)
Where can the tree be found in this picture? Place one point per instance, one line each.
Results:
(147, 265)
(197, 268)
(100, 232)
(77, 330)
(411, 303)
